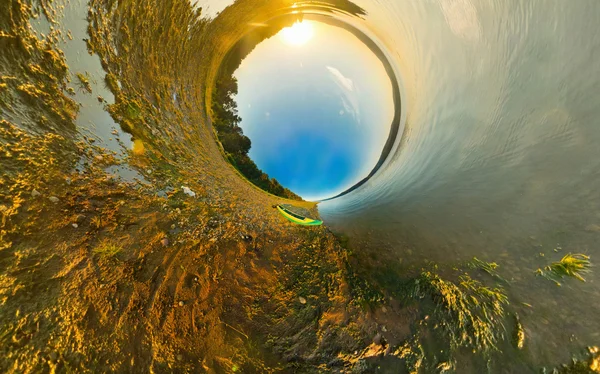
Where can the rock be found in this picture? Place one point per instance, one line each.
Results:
(444, 367)
(361, 366)
(188, 192)
(164, 242)
(247, 238)
(75, 225)
(53, 199)
(335, 362)
(35, 193)
(302, 300)
(114, 132)
(181, 303)
(389, 350)
(519, 334)
(592, 228)
(594, 362)
(179, 357)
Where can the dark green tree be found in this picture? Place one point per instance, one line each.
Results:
(236, 145)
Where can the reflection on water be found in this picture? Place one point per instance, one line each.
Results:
(499, 159)
(93, 120)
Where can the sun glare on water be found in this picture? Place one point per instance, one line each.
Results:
(297, 34)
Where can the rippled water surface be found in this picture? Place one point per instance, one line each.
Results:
(500, 155)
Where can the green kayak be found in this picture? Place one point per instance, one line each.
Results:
(296, 218)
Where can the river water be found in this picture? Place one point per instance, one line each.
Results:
(500, 156)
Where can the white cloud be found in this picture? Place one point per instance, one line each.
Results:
(349, 91)
(341, 80)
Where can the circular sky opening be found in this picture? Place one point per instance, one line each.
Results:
(317, 104)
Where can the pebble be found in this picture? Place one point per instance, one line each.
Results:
(302, 300)
(181, 303)
(179, 357)
(388, 350)
(188, 192)
(75, 225)
(35, 193)
(53, 199)
(164, 242)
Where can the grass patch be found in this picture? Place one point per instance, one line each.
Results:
(107, 249)
(111, 83)
(488, 267)
(133, 110)
(470, 313)
(413, 354)
(84, 82)
(589, 364)
(364, 293)
(571, 265)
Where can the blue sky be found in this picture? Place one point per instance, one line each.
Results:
(317, 108)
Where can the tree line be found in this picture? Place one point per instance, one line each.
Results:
(237, 145)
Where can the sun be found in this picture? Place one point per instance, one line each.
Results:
(297, 34)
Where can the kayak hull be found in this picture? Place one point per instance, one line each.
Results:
(298, 219)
